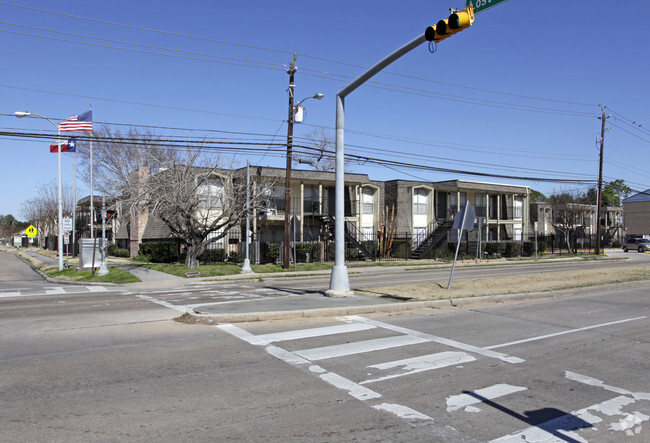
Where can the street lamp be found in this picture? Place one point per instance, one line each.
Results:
(287, 191)
(21, 114)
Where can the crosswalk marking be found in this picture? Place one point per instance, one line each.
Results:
(359, 347)
(456, 402)
(436, 339)
(420, 364)
(315, 332)
(54, 290)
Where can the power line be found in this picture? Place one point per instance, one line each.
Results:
(236, 147)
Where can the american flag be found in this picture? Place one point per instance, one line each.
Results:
(81, 122)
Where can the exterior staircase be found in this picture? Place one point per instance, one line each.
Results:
(434, 237)
(352, 235)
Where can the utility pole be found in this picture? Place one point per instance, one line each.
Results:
(287, 185)
(600, 179)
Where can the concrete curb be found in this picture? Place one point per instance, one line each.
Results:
(447, 304)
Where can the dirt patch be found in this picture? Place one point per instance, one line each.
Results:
(501, 285)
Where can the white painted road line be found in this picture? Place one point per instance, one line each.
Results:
(563, 428)
(162, 303)
(403, 412)
(456, 402)
(359, 347)
(570, 331)
(54, 290)
(96, 289)
(436, 339)
(600, 384)
(315, 332)
(420, 364)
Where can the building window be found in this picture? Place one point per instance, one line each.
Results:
(368, 201)
(420, 201)
(481, 205)
(210, 192)
(518, 209)
(310, 202)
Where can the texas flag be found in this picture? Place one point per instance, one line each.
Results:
(69, 146)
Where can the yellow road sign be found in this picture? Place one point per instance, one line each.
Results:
(31, 231)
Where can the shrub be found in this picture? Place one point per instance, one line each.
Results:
(115, 251)
(213, 256)
(313, 249)
(160, 252)
(272, 252)
(235, 257)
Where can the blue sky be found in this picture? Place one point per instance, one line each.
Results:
(517, 94)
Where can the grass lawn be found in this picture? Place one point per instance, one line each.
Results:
(218, 269)
(114, 275)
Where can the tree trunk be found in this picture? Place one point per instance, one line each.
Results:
(192, 257)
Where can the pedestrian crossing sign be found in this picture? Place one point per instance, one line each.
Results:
(31, 231)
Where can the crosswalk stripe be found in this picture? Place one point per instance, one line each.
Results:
(315, 332)
(54, 290)
(423, 363)
(456, 402)
(359, 347)
(96, 289)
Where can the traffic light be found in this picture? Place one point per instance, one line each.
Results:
(456, 22)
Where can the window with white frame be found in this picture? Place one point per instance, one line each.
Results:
(368, 201)
(420, 197)
(518, 208)
(210, 192)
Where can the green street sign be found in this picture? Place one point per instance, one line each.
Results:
(482, 5)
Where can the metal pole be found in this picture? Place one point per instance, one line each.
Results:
(287, 184)
(339, 281)
(74, 202)
(460, 237)
(60, 240)
(92, 220)
(600, 181)
(103, 267)
(247, 263)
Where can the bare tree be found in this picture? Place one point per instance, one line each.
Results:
(568, 210)
(199, 198)
(117, 154)
(43, 209)
(319, 151)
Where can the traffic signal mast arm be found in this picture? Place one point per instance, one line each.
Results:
(456, 22)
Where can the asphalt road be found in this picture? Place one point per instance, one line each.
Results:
(109, 365)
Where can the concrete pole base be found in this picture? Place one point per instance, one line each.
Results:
(246, 269)
(103, 269)
(339, 283)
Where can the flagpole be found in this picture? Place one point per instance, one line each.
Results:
(60, 239)
(92, 220)
(74, 201)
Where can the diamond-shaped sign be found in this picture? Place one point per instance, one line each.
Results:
(31, 231)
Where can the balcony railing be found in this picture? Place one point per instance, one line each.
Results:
(276, 206)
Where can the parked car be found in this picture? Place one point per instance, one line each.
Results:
(640, 244)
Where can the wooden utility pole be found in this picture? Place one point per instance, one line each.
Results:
(287, 185)
(600, 180)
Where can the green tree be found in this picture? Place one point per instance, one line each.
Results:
(613, 193)
(537, 197)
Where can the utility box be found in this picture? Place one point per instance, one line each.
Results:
(87, 248)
